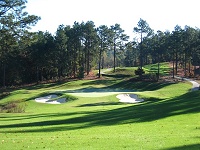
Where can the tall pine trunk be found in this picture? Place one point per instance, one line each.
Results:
(4, 75)
(141, 58)
(158, 74)
(37, 74)
(173, 66)
(88, 61)
(102, 64)
(100, 52)
(176, 62)
(114, 54)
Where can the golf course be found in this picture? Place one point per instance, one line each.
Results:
(99, 75)
(93, 118)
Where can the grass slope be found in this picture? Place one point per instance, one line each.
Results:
(167, 120)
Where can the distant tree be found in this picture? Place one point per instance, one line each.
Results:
(42, 54)
(61, 49)
(159, 47)
(14, 23)
(90, 41)
(131, 54)
(75, 50)
(142, 28)
(104, 38)
(177, 47)
(190, 37)
(118, 39)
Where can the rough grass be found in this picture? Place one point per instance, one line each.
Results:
(167, 120)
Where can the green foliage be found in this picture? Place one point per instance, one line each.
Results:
(139, 71)
(42, 57)
(118, 38)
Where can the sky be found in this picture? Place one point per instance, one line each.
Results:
(160, 14)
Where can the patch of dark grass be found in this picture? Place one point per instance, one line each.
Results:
(13, 107)
(70, 98)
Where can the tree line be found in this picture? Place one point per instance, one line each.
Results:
(181, 47)
(28, 57)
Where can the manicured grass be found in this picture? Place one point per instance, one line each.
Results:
(153, 68)
(168, 119)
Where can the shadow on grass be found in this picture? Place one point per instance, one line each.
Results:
(48, 85)
(144, 112)
(116, 75)
(100, 104)
(105, 82)
(133, 83)
(130, 83)
(185, 147)
(97, 90)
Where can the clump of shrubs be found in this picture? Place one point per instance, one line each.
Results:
(13, 107)
(139, 72)
(4, 94)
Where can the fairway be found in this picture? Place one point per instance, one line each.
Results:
(84, 81)
(95, 119)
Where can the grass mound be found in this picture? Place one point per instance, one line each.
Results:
(58, 95)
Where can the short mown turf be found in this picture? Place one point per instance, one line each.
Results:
(167, 120)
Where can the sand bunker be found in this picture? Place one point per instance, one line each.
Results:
(129, 98)
(49, 99)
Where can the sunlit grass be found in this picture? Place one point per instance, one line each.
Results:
(168, 119)
(153, 68)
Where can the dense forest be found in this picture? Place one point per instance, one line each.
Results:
(30, 57)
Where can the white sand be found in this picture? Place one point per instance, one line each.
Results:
(129, 98)
(48, 99)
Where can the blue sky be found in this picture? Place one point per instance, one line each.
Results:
(160, 14)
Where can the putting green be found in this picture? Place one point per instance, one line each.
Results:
(95, 92)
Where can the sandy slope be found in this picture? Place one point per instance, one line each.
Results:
(48, 99)
(129, 98)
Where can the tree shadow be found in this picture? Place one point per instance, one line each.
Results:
(92, 89)
(100, 82)
(185, 147)
(130, 83)
(100, 104)
(51, 84)
(117, 76)
(134, 83)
